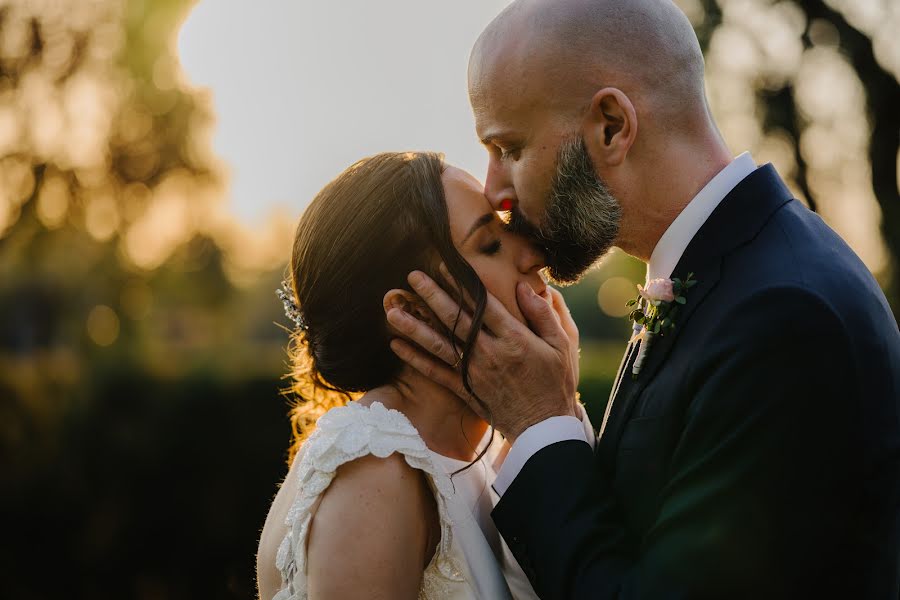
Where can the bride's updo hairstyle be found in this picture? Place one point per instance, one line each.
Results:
(383, 217)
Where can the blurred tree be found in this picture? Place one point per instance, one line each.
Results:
(883, 105)
(141, 427)
(142, 430)
(97, 128)
(778, 111)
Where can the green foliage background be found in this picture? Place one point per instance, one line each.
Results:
(142, 467)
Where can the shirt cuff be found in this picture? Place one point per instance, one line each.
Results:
(536, 438)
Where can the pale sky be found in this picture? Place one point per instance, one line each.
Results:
(302, 89)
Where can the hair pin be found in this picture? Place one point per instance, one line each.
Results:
(290, 306)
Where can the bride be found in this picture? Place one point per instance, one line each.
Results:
(390, 494)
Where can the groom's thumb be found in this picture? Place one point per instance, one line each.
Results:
(540, 316)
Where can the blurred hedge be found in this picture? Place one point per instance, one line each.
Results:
(151, 488)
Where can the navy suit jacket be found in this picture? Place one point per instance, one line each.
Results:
(757, 454)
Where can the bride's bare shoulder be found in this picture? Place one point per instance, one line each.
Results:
(376, 519)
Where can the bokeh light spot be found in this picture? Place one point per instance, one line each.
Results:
(53, 202)
(101, 217)
(614, 294)
(103, 325)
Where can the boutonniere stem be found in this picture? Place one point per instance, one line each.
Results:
(645, 339)
(655, 309)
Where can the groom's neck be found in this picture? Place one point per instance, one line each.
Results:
(665, 183)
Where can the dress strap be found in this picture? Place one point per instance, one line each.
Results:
(342, 435)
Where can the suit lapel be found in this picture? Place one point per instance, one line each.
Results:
(631, 387)
(737, 219)
(624, 367)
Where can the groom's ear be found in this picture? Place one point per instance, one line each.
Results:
(610, 127)
(409, 303)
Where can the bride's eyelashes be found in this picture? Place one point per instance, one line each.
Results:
(492, 248)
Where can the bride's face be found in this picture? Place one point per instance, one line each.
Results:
(500, 258)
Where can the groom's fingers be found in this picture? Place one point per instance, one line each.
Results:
(423, 335)
(496, 318)
(443, 306)
(439, 373)
(451, 282)
(562, 311)
(543, 319)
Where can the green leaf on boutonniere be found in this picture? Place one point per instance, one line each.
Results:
(655, 315)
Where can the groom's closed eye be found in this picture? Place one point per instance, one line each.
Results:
(509, 153)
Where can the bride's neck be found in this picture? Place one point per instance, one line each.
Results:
(448, 426)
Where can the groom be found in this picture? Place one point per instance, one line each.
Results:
(753, 450)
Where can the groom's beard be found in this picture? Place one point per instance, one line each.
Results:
(581, 220)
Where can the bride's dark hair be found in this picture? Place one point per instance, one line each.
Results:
(381, 218)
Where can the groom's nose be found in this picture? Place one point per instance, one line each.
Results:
(498, 187)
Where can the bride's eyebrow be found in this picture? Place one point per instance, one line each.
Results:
(481, 222)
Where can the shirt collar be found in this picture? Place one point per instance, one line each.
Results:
(675, 240)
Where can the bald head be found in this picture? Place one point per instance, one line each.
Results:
(619, 81)
(560, 52)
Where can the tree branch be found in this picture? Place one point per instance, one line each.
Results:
(882, 100)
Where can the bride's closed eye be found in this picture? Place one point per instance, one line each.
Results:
(492, 248)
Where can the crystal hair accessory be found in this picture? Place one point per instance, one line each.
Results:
(290, 306)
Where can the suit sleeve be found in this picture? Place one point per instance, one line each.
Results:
(762, 466)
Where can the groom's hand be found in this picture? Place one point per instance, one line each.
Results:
(522, 375)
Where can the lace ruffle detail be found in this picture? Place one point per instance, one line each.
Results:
(344, 434)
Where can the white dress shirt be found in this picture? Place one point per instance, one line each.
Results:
(663, 260)
(539, 436)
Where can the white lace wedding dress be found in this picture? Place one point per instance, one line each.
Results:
(465, 565)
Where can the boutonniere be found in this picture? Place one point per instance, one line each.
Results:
(654, 312)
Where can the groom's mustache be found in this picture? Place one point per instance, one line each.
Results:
(520, 225)
(561, 253)
(549, 246)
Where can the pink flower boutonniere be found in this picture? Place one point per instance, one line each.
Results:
(654, 312)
